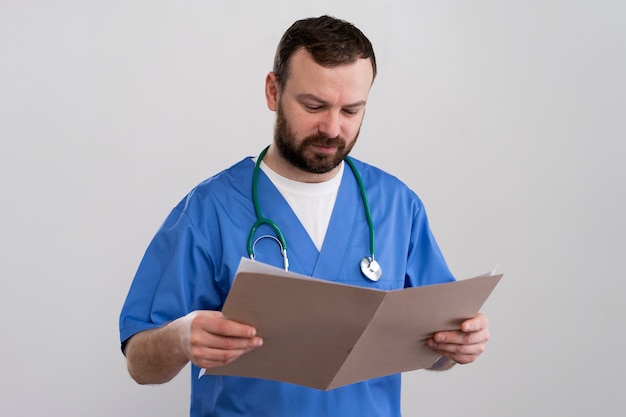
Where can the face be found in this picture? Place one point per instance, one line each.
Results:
(316, 154)
(318, 116)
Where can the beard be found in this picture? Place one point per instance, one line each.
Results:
(303, 155)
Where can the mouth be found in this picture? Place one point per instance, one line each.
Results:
(324, 149)
(326, 146)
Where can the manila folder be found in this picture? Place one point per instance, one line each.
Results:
(325, 335)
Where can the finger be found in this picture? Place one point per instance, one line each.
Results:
(208, 350)
(476, 323)
(461, 338)
(455, 348)
(202, 339)
(211, 357)
(215, 323)
(461, 354)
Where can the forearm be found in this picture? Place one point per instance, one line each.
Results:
(155, 356)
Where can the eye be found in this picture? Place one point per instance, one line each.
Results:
(312, 107)
(350, 112)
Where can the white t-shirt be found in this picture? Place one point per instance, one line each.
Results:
(313, 203)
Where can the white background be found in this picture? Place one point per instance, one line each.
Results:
(506, 117)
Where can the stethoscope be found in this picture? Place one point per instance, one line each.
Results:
(369, 266)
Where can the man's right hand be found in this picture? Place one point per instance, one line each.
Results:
(206, 338)
(209, 339)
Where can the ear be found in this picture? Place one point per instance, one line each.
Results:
(271, 91)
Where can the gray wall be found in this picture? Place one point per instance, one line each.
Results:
(507, 117)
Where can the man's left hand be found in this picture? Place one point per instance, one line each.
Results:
(465, 345)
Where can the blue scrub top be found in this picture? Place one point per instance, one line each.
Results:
(191, 262)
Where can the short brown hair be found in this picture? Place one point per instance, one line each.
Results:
(330, 41)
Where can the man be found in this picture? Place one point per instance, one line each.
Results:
(323, 71)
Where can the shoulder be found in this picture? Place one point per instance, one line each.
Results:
(375, 174)
(235, 177)
(383, 185)
(231, 183)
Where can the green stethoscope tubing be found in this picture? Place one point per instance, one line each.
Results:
(369, 266)
(260, 219)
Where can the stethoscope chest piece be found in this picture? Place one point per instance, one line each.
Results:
(371, 268)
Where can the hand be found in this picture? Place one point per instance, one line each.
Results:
(465, 345)
(209, 339)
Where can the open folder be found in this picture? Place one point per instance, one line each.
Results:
(326, 335)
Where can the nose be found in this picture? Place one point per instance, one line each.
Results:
(330, 125)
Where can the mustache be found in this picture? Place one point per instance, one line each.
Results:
(323, 140)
